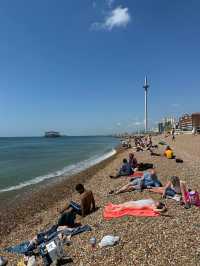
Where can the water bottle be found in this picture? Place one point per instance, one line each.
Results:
(93, 242)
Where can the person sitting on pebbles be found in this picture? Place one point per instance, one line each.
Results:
(125, 170)
(174, 187)
(147, 180)
(85, 207)
(132, 161)
(168, 153)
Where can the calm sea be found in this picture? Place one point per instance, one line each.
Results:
(28, 161)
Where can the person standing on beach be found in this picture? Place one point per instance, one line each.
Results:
(173, 134)
(85, 207)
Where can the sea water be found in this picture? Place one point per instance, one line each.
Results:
(28, 161)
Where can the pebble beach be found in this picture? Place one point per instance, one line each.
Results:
(173, 239)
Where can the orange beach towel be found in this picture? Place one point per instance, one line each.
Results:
(112, 211)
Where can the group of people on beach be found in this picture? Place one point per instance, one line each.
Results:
(147, 177)
(140, 176)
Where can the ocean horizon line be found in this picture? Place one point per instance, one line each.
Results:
(62, 136)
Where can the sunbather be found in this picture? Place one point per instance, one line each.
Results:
(143, 204)
(85, 207)
(174, 187)
(148, 180)
(125, 170)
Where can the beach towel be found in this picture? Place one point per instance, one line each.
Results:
(22, 248)
(111, 211)
(137, 174)
(162, 143)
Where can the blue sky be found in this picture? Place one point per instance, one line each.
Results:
(78, 66)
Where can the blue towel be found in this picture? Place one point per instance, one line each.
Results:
(19, 249)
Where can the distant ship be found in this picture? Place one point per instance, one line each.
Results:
(52, 134)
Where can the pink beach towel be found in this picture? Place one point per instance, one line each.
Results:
(111, 211)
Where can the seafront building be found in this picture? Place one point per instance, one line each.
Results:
(189, 121)
(167, 124)
(185, 123)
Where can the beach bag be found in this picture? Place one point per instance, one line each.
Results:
(194, 198)
(52, 251)
(145, 166)
(179, 160)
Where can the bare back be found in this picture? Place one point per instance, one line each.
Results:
(87, 202)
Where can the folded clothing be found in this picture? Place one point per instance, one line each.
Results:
(112, 211)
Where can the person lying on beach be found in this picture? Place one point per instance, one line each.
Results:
(125, 170)
(174, 187)
(148, 180)
(85, 207)
(157, 206)
(169, 153)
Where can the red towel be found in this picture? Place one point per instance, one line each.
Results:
(111, 211)
(135, 174)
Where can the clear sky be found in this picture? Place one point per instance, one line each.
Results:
(78, 66)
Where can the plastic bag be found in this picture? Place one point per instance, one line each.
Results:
(109, 240)
(31, 261)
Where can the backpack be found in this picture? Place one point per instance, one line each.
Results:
(179, 160)
(194, 198)
(145, 166)
(51, 251)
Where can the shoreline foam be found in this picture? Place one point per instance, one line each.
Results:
(66, 171)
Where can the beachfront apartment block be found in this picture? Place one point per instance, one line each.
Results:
(189, 121)
(167, 124)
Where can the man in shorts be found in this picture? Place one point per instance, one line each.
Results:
(85, 207)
